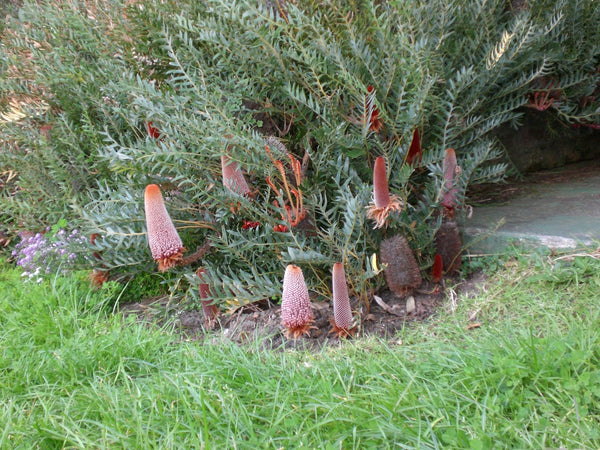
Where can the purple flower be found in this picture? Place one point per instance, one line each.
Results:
(51, 252)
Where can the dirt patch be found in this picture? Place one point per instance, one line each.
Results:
(262, 320)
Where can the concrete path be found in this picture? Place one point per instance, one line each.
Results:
(557, 209)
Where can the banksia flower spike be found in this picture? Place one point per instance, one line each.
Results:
(383, 203)
(209, 309)
(296, 311)
(233, 177)
(165, 243)
(451, 170)
(342, 313)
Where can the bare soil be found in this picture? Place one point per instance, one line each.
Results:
(261, 321)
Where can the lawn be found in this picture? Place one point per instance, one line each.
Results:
(514, 366)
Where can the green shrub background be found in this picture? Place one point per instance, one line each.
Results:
(82, 78)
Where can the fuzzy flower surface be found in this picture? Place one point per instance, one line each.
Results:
(55, 251)
(163, 239)
(342, 313)
(383, 202)
(296, 310)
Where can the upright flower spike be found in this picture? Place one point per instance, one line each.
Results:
(233, 177)
(383, 203)
(451, 170)
(296, 311)
(342, 313)
(209, 309)
(165, 243)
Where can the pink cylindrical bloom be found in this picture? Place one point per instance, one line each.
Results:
(233, 177)
(296, 311)
(381, 191)
(383, 203)
(342, 313)
(165, 243)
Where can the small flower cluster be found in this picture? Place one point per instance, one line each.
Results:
(46, 253)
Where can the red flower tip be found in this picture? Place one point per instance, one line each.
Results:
(438, 267)
(250, 225)
(342, 313)
(370, 89)
(280, 229)
(233, 177)
(165, 243)
(296, 311)
(152, 131)
(414, 152)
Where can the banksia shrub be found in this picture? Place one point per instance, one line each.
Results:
(449, 246)
(296, 310)
(311, 78)
(342, 313)
(402, 272)
(165, 243)
(383, 202)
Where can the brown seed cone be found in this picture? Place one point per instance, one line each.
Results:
(449, 246)
(402, 273)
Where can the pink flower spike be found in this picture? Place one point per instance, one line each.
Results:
(342, 313)
(233, 177)
(165, 243)
(383, 203)
(381, 191)
(296, 310)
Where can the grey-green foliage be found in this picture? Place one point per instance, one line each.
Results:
(220, 76)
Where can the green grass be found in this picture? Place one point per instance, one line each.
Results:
(73, 375)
